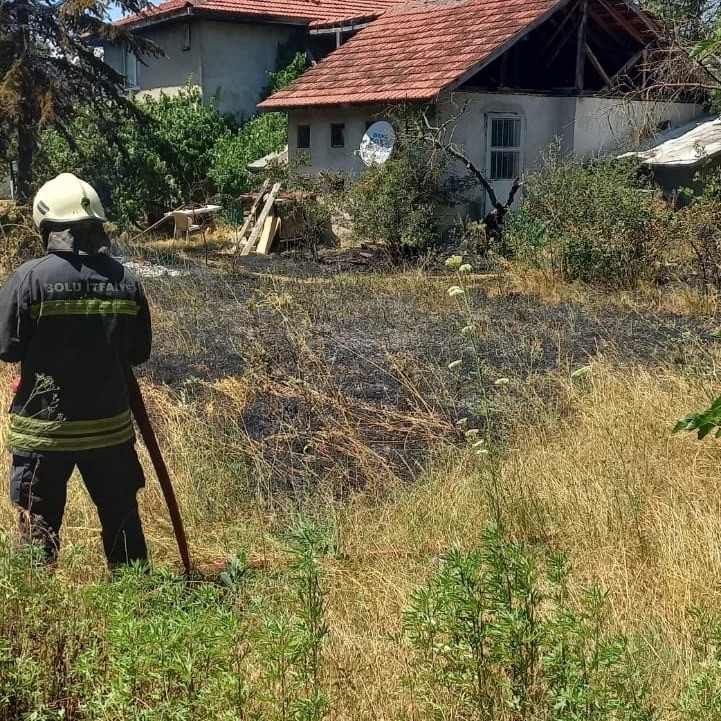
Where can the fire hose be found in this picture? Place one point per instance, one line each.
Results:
(140, 412)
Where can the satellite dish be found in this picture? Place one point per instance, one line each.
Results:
(377, 144)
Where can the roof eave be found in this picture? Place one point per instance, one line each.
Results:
(346, 25)
(156, 19)
(284, 107)
(200, 12)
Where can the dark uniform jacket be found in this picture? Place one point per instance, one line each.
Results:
(75, 320)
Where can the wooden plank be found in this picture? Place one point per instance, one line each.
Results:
(625, 24)
(630, 64)
(261, 220)
(552, 41)
(580, 46)
(249, 219)
(559, 46)
(271, 228)
(597, 64)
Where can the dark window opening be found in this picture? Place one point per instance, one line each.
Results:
(303, 137)
(186, 37)
(337, 135)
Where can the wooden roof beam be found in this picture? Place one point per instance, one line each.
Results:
(599, 68)
(623, 22)
(581, 45)
(571, 12)
(629, 65)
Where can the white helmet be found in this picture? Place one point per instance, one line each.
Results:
(67, 199)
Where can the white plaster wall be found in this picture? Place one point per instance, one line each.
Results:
(169, 73)
(321, 155)
(544, 119)
(584, 126)
(231, 60)
(604, 125)
(237, 61)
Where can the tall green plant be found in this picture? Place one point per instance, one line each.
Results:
(495, 638)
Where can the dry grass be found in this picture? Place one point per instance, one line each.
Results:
(587, 466)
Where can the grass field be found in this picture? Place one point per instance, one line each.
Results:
(289, 397)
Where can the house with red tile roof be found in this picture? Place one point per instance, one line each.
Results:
(229, 47)
(524, 73)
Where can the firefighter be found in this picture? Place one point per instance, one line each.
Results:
(75, 320)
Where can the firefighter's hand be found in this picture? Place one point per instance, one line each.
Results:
(15, 385)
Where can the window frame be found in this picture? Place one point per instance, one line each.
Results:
(306, 127)
(333, 127)
(187, 38)
(127, 84)
(517, 149)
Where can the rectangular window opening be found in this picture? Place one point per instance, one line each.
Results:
(130, 69)
(505, 148)
(187, 37)
(337, 135)
(303, 137)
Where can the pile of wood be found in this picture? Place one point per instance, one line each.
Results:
(262, 226)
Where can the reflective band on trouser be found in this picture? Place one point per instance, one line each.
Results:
(32, 434)
(88, 306)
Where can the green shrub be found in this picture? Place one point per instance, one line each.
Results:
(151, 647)
(396, 203)
(595, 221)
(494, 638)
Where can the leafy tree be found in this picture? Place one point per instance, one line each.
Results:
(153, 165)
(261, 135)
(47, 70)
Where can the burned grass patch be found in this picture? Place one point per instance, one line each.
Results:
(341, 382)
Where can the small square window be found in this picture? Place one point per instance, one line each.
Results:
(337, 135)
(303, 137)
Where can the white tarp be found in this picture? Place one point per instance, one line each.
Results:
(687, 146)
(280, 158)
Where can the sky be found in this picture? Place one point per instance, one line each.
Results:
(115, 12)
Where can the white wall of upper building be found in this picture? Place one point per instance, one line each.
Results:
(225, 59)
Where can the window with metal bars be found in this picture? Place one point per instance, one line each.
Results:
(505, 148)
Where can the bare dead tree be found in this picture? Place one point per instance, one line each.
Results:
(441, 137)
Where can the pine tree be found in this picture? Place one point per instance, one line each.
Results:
(48, 69)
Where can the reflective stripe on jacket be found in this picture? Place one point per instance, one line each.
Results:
(76, 323)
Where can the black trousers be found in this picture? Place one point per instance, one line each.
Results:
(113, 476)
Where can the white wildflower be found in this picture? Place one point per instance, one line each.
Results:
(482, 452)
(455, 290)
(454, 262)
(501, 382)
(478, 444)
(462, 422)
(465, 268)
(455, 365)
(467, 331)
(471, 434)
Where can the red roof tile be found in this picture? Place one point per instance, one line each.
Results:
(317, 13)
(412, 52)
